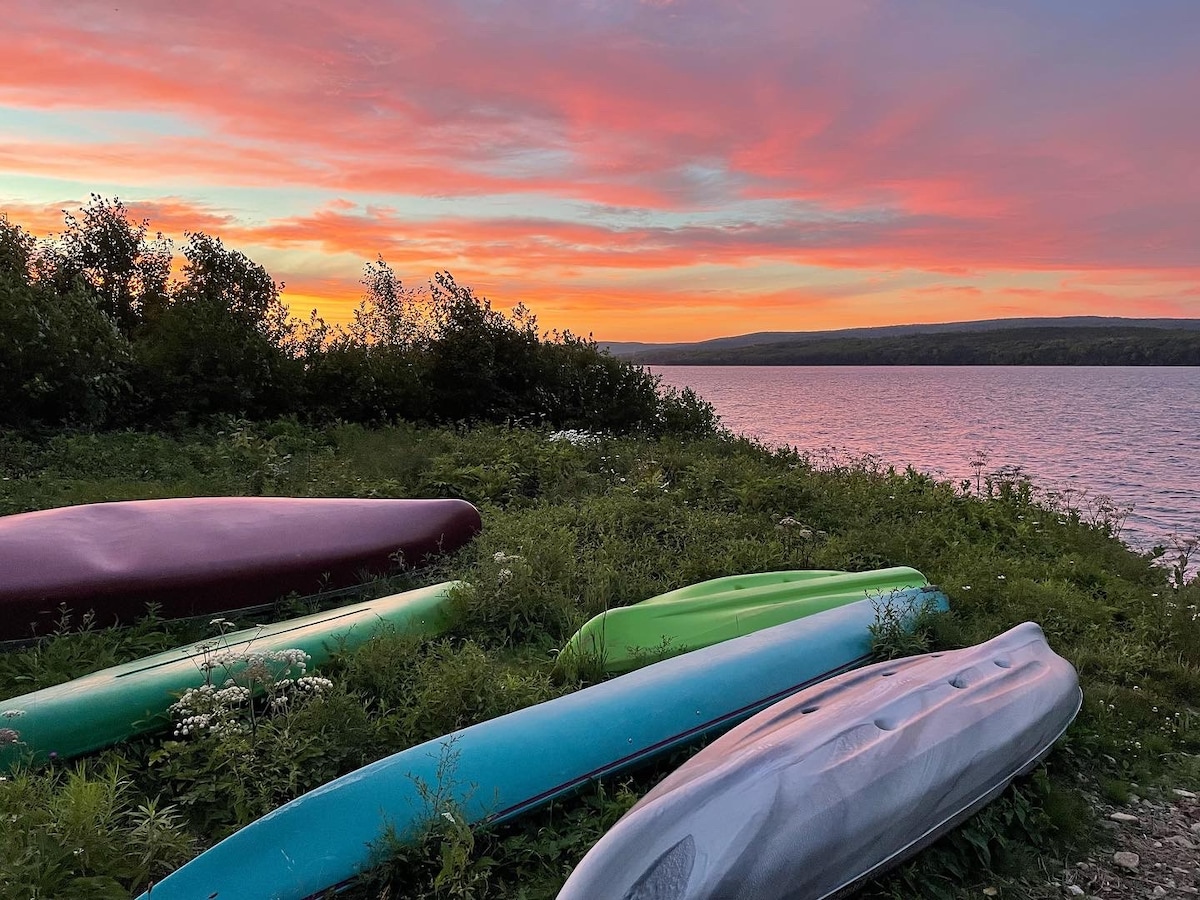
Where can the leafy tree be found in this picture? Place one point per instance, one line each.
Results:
(93, 331)
(16, 250)
(230, 282)
(125, 270)
(389, 313)
(219, 344)
(62, 359)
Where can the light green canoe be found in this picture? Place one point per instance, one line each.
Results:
(713, 611)
(120, 702)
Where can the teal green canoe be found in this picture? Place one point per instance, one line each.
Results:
(707, 613)
(120, 702)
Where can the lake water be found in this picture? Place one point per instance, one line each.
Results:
(1130, 434)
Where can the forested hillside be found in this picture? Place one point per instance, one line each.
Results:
(1031, 346)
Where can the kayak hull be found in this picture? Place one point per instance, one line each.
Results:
(840, 781)
(707, 613)
(484, 773)
(197, 555)
(121, 702)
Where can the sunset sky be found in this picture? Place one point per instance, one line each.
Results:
(639, 169)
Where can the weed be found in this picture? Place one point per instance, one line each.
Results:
(903, 620)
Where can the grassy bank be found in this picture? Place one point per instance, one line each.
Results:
(575, 524)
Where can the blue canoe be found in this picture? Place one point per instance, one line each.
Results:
(325, 837)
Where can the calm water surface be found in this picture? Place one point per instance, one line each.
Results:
(1131, 434)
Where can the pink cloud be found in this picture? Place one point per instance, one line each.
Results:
(980, 138)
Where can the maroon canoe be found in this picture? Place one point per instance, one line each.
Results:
(207, 554)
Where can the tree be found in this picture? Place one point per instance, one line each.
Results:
(125, 270)
(16, 250)
(62, 360)
(228, 281)
(220, 345)
(389, 314)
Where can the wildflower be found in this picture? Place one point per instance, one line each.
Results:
(449, 818)
(13, 713)
(1000, 578)
(574, 436)
(504, 575)
(966, 587)
(8, 736)
(313, 684)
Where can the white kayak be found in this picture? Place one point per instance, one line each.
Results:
(840, 781)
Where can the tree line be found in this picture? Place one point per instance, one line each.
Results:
(99, 328)
(1026, 346)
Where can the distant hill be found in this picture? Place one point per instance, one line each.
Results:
(1075, 340)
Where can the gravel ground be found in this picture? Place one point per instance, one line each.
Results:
(1155, 851)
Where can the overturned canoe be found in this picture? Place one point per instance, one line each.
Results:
(198, 555)
(707, 613)
(484, 773)
(838, 782)
(120, 702)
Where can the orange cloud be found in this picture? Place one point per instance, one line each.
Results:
(648, 141)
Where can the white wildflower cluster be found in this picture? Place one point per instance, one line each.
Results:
(10, 735)
(279, 674)
(313, 684)
(797, 529)
(505, 574)
(208, 709)
(263, 667)
(308, 686)
(574, 436)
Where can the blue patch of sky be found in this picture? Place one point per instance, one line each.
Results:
(93, 126)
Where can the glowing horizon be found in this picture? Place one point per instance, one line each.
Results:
(654, 171)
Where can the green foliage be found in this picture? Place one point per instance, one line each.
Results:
(77, 648)
(577, 522)
(16, 250)
(62, 360)
(94, 331)
(224, 779)
(902, 625)
(112, 258)
(84, 833)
